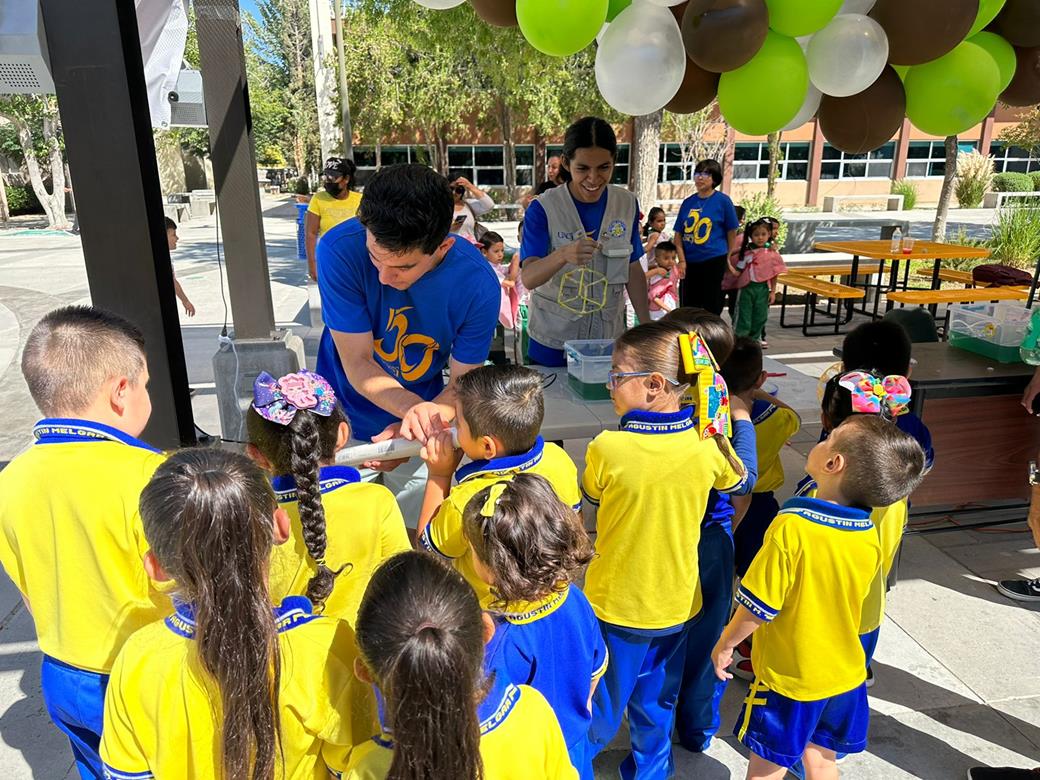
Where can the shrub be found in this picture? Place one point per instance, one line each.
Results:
(761, 205)
(974, 178)
(301, 186)
(1016, 235)
(23, 200)
(1035, 176)
(908, 190)
(1012, 182)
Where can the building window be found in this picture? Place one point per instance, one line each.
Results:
(524, 165)
(872, 165)
(928, 158)
(482, 165)
(365, 158)
(751, 161)
(1012, 159)
(620, 165)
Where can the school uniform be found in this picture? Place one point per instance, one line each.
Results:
(71, 540)
(363, 527)
(520, 739)
(555, 646)
(159, 710)
(809, 583)
(444, 534)
(643, 583)
(774, 426)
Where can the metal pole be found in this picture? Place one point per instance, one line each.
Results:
(344, 95)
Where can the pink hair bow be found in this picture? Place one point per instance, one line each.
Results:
(872, 394)
(279, 400)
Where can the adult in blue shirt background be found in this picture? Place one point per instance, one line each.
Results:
(401, 300)
(707, 225)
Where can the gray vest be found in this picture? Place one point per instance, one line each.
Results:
(548, 322)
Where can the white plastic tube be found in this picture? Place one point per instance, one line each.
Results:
(391, 449)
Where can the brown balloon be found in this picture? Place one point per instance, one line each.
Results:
(1019, 22)
(923, 30)
(699, 87)
(1024, 89)
(863, 122)
(499, 13)
(726, 34)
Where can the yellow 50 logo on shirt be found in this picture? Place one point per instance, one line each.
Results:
(697, 227)
(397, 322)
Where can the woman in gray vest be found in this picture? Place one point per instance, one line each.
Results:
(581, 249)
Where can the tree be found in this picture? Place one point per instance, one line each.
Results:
(38, 129)
(700, 135)
(645, 156)
(1026, 133)
(943, 209)
(773, 140)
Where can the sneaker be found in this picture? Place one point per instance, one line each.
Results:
(870, 677)
(764, 344)
(741, 666)
(1002, 773)
(1021, 590)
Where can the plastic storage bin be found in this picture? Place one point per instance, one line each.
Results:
(994, 330)
(588, 363)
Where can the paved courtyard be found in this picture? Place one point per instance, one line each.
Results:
(958, 666)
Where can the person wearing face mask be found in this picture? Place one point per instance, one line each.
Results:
(336, 204)
(586, 224)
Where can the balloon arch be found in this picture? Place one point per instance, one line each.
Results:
(860, 66)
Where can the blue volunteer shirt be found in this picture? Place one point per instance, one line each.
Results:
(719, 510)
(704, 224)
(450, 312)
(536, 243)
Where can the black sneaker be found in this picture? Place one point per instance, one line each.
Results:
(1002, 773)
(870, 677)
(1021, 590)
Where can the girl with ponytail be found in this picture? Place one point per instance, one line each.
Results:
(342, 528)
(421, 634)
(227, 687)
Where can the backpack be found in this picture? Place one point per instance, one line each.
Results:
(997, 275)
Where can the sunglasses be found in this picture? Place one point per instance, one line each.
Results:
(614, 378)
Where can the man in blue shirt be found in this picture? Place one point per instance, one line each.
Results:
(401, 300)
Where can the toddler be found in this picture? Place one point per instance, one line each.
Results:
(756, 270)
(662, 280)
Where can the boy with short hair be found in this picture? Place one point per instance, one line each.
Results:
(171, 242)
(499, 410)
(809, 699)
(71, 537)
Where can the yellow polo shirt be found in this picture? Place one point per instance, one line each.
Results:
(71, 539)
(774, 425)
(331, 211)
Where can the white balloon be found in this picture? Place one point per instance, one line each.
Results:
(641, 61)
(803, 41)
(664, 3)
(602, 32)
(847, 55)
(808, 109)
(440, 5)
(857, 6)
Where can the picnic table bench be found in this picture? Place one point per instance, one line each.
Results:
(892, 202)
(933, 298)
(950, 275)
(814, 289)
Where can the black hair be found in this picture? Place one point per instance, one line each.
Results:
(712, 167)
(665, 246)
(298, 449)
(587, 133)
(650, 218)
(715, 331)
(880, 346)
(743, 368)
(505, 402)
(741, 211)
(836, 405)
(407, 207)
(489, 239)
(745, 244)
(170, 224)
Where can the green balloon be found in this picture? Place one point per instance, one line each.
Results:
(796, 18)
(615, 7)
(561, 28)
(1003, 54)
(953, 93)
(988, 10)
(781, 65)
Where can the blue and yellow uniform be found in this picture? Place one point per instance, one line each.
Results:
(774, 426)
(520, 739)
(363, 526)
(644, 582)
(162, 708)
(445, 536)
(555, 646)
(809, 583)
(72, 542)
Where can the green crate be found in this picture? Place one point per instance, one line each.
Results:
(1000, 353)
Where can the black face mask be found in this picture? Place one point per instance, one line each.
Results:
(333, 189)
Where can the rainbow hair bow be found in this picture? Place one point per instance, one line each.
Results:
(710, 392)
(279, 400)
(872, 394)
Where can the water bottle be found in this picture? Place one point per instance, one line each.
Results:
(391, 449)
(897, 242)
(1030, 349)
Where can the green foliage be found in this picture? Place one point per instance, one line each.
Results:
(974, 178)
(301, 186)
(761, 205)
(908, 190)
(1016, 236)
(1035, 176)
(22, 200)
(1012, 182)
(1026, 132)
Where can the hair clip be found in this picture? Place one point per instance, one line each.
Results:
(279, 400)
(712, 395)
(494, 496)
(871, 394)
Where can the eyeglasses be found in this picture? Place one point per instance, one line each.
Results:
(702, 175)
(614, 377)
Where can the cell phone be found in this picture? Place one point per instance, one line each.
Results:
(1036, 405)
(459, 219)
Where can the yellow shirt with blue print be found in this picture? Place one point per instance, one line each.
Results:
(809, 582)
(650, 483)
(774, 425)
(445, 536)
(162, 709)
(520, 739)
(71, 539)
(331, 210)
(363, 527)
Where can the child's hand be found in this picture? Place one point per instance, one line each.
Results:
(772, 297)
(682, 270)
(509, 284)
(440, 455)
(722, 657)
(189, 307)
(732, 270)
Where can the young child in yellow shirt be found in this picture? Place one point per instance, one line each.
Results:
(228, 686)
(70, 533)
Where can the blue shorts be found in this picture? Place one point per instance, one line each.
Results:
(869, 642)
(779, 729)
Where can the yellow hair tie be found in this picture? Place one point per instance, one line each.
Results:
(712, 396)
(494, 495)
